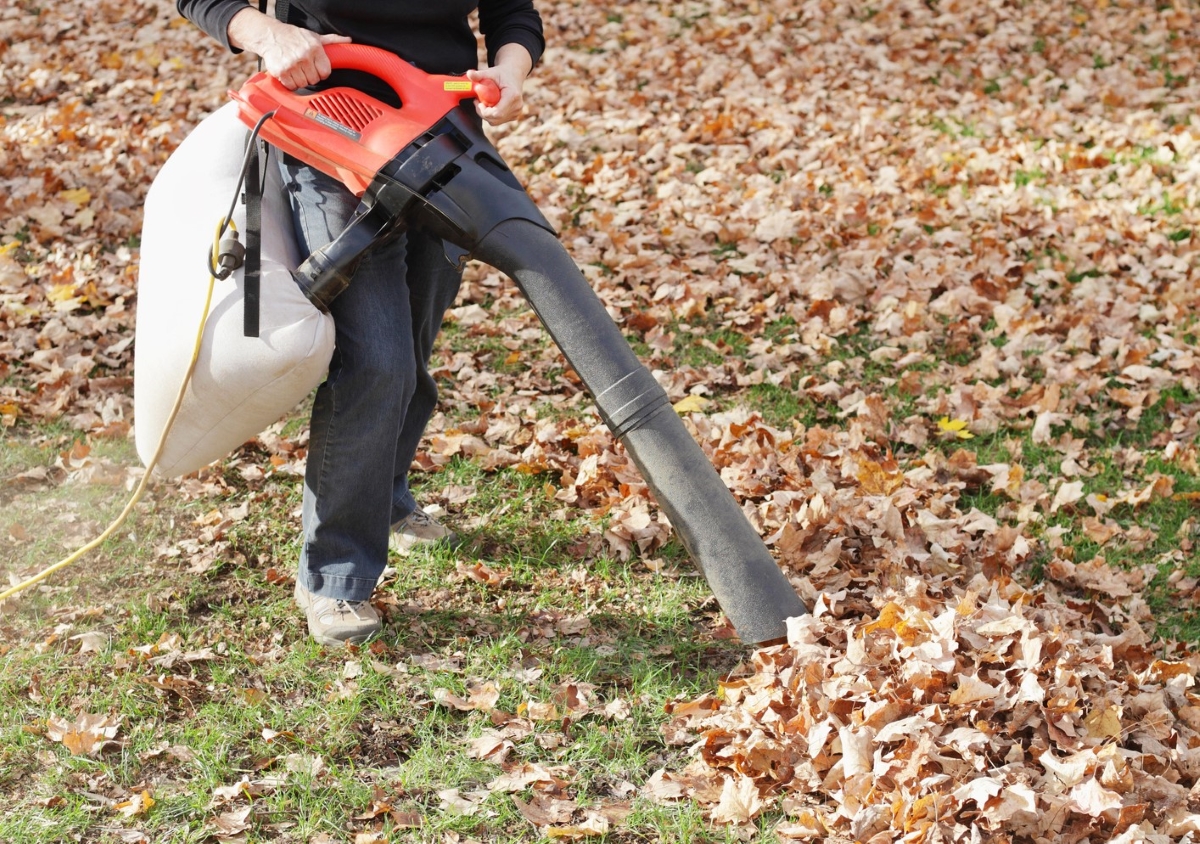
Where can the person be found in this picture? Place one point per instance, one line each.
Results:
(369, 414)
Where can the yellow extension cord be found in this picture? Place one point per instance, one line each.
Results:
(145, 481)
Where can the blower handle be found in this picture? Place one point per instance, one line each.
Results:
(409, 82)
(487, 92)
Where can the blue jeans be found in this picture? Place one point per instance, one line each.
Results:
(370, 413)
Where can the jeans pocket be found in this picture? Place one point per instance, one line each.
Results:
(321, 205)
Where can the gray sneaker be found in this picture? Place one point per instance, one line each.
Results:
(418, 529)
(335, 622)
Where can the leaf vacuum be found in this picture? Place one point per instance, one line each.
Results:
(428, 165)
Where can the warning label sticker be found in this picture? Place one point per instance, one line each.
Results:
(332, 124)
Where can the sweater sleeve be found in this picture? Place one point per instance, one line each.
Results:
(213, 16)
(510, 22)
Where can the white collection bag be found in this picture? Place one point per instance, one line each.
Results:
(241, 384)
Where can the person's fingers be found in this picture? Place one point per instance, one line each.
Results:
(315, 64)
(321, 65)
(290, 73)
(508, 109)
(298, 59)
(511, 103)
(302, 75)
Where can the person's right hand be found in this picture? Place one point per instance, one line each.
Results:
(296, 57)
(293, 55)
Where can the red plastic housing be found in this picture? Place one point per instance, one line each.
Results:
(346, 133)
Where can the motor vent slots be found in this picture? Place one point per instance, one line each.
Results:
(348, 111)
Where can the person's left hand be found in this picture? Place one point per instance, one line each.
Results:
(513, 64)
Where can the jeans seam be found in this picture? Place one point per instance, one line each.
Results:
(321, 470)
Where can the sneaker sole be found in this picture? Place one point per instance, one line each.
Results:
(329, 641)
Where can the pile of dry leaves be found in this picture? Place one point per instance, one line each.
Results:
(930, 697)
(984, 713)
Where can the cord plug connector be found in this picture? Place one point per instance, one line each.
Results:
(231, 254)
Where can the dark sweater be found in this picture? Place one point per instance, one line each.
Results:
(435, 35)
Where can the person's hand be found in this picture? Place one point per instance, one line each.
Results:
(513, 64)
(293, 55)
(296, 57)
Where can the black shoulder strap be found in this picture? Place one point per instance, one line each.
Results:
(252, 275)
(252, 269)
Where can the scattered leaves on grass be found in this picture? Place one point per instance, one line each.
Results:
(825, 227)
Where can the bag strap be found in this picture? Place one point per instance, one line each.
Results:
(252, 272)
(253, 195)
(252, 275)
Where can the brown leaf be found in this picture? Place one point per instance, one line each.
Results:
(544, 810)
(231, 824)
(88, 735)
(595, 825)
(482, 697)
(662, 787)
(520, 777)
(480, 572)
(740, 801)
(452, 800)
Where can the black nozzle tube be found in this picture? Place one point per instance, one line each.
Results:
(748, 584)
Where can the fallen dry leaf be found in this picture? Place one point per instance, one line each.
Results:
(87, 735)
(482, 697)
(455, 802)
(231, 824)
(740, 801)
(593, 826)
(138, 804)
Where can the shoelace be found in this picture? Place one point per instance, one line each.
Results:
(419, 517)
(341, 607)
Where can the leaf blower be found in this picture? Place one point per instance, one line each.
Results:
(428, 165)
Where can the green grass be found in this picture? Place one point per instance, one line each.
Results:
(781, 406)
(378, 728)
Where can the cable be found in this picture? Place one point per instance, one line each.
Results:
(227, 220)
(215, 273)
